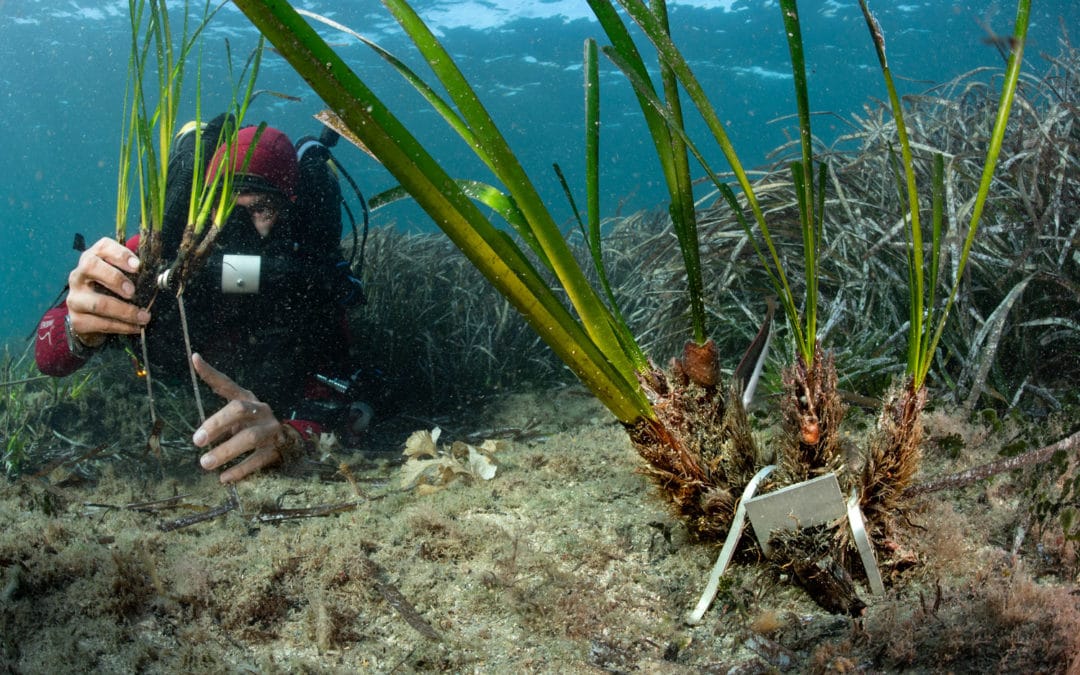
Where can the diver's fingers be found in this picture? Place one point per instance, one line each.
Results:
(259, 436)
(258, 460)
(221, 383)
(94, 325)
(242, 442)
(246, 420)
(93, 312)
(115, 253)
(105, 263)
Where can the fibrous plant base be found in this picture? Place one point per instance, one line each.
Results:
(699, 451)
(892, 459)
(812, 412)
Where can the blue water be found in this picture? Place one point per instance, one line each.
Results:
(64, 68)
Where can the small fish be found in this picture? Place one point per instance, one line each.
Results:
(1005, 44)
(752, 363)
(331, 119)
(278, 94)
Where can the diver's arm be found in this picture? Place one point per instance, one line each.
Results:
(53, 350)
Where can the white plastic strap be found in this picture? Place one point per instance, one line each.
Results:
(862, 542)
(726, 553)
(240, 273)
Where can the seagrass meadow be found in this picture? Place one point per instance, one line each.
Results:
(567, 560)
(1014, 347)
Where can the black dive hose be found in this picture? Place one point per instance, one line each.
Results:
(329, 139)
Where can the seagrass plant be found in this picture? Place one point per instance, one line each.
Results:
(894, 453)
(146, 143)
(812, 410)
(691, 430)
(811, 405)
(150, 124)
(16, 410)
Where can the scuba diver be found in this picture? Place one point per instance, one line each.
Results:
(268, 306)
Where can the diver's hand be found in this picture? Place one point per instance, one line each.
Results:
(94, 314)
(243, 425)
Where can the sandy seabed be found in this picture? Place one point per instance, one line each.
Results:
(564, 561)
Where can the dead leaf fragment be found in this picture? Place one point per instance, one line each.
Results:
(429, 468)
(423, 443)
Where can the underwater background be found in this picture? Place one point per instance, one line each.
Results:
(63, 72)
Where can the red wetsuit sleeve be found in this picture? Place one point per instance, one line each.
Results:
(51, 349)
(308, 430)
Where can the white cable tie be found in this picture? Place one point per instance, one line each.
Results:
(738, 524)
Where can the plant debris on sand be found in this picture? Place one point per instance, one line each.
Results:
(563, 561)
